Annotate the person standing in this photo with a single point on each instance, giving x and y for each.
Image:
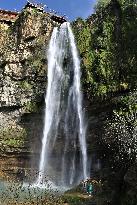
(90, 189)
(84, 183)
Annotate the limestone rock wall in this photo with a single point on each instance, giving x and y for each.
(23, 79)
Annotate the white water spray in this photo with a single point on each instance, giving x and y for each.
(64, 153)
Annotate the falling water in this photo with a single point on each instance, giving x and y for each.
(64, 154)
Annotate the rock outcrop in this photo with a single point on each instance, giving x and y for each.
(23, 79)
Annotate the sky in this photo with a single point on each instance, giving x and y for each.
(71, 8)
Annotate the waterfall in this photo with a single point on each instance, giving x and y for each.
(64, 154)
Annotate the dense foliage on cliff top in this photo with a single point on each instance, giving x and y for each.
(107, 44)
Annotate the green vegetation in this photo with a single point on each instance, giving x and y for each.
(13, 132)
(107, 45)
(25, 85)
(38, 58)
(31, 107)
(13, 142)
(35, 62)
(127, 104)
(12, 137)
(77, 199)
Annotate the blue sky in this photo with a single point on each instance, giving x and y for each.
(72, 8)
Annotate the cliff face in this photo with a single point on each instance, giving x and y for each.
(23, 78)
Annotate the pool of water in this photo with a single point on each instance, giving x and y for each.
(25, 192)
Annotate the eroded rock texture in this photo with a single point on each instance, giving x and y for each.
(23, 79)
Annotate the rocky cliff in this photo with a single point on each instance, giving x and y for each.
(23, 78)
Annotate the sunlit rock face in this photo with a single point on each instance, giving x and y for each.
(23, 71)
